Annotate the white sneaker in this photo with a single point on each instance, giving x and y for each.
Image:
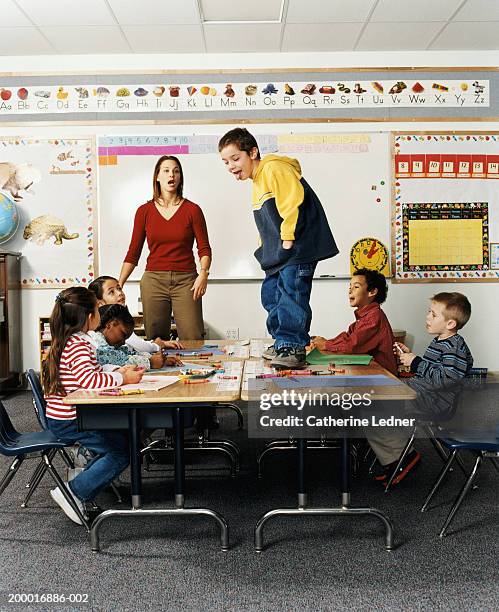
(65, 506)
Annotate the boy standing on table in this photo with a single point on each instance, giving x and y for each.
(294, 234)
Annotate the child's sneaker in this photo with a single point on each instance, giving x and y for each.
(269, 353)
(410, 462)
(382, 473)
(65, 506)
(289, 357)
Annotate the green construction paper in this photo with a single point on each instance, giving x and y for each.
(315, 357)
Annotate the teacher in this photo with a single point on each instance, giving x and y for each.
(170, 223)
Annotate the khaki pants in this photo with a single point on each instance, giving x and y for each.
(164, 292)
(387, 446)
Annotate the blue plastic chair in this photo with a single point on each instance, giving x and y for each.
(20, 445)
(484, 447)
(39, 405)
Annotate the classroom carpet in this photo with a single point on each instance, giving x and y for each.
(312, 563)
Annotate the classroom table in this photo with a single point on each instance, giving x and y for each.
(378, 393)
(95, 411)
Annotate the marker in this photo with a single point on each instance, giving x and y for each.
(117, 392)
(295, 373)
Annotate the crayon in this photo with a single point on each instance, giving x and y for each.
(225, 377)
(195, 381)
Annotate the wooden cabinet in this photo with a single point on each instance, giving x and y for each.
(10, 320)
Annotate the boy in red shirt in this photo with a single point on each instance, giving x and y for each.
(371, 333)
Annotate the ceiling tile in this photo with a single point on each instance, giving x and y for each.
(398, 36)
(12, 16)
(261, 38)
(320, 37)
(256, 10)
(164, 12)
(165, 39)
(324, 11)
(23, 41)
(469, 35)
(479, 10)
(67, 12)
(422, 10)
(86, 39)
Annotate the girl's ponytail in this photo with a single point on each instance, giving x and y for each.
(69, 315)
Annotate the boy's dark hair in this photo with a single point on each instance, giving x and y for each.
(96, 286)
(456, 306)
(69, 315)
(374, 280)
(240, 137)
(115, 312)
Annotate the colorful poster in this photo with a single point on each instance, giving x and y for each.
(444, 224)
(209, 96)
(47, 209)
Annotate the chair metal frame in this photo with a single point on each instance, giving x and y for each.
(22, 445)
(483, 451)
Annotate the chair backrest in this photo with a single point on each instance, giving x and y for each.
(8, 432)
(38, 398)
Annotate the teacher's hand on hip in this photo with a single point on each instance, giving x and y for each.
(199, 286)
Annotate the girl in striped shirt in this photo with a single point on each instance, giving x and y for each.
(72, 365)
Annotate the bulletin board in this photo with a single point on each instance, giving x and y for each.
(445, 206)
(56, 229)
(349, 172)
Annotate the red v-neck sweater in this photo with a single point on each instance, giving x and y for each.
(170, 242)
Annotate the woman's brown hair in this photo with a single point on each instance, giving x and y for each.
(155, 184)
(69, 315)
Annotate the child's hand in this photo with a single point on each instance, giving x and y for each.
(173, 344)
(319, 343)
(399, 348)
(157, 360)
(168, 344)
(287, 244)
(406, 358)
(132, 375)
(173, 361)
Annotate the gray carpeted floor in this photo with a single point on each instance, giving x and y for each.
(323, 563)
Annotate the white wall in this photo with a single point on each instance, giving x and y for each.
(237, 304)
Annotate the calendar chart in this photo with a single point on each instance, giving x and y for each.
(445, 213)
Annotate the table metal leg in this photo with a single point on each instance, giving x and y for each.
(179, 510)
(135, 458)
(303, 510)
(179, 458)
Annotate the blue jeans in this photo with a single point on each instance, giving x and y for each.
(112, 456)
(286, 298)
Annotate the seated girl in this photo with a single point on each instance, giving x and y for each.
(116, 326)
(107, 290)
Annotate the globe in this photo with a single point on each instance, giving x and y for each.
(9, 218)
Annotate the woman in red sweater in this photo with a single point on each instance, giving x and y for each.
(170, 223)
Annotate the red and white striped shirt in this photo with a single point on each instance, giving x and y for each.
(78, 369)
